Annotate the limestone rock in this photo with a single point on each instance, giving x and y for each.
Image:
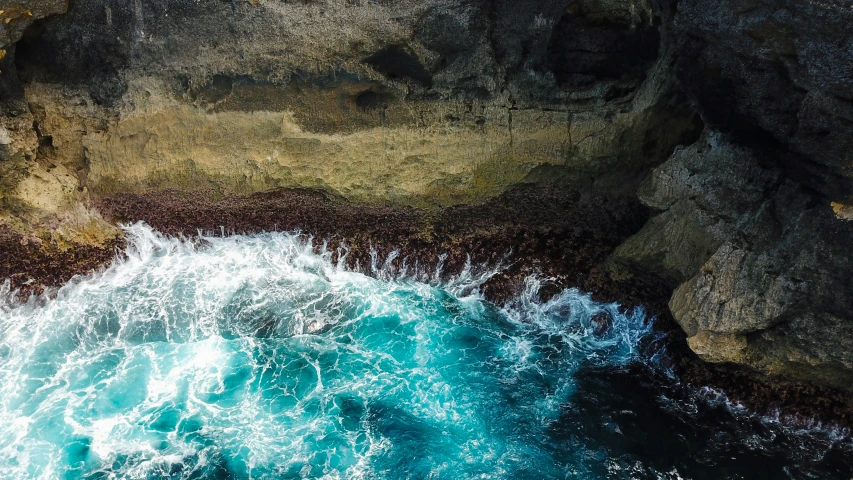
(424, 103)
(762, 268)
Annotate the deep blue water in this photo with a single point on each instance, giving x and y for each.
(254, 357)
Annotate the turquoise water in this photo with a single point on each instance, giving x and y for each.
(254, 357)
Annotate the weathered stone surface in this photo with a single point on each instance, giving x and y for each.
(763, 266)
(424, 103)
(766, 285)
(15, 17)
(778, 76)
(753, 232)
(781, 68)
(707, 191)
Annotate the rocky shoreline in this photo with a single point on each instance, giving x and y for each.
(581, 231)
(32, 267)
(691, 157)
(570, 249)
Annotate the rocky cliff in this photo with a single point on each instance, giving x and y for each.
(754, 225)
(721, 130)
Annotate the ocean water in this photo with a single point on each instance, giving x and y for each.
(255, 357)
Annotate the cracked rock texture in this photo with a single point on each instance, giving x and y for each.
(731, 121)
(754, 229)
(416, 103)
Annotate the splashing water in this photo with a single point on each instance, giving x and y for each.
(254, 357)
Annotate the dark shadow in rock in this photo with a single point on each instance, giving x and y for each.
(52, 50)
(584, 50)
(373, 99)
(219, 87)
(397, 62)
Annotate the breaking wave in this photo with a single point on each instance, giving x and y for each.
(256, 357)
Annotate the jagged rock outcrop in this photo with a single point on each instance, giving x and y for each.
(753, 228)
(778, 76)
(731, 121)
(762, 265)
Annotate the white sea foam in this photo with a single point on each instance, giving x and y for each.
(258, 357)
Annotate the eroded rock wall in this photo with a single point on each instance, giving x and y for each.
(754, 232)
(416, 103)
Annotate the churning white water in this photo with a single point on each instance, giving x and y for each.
(255, 357)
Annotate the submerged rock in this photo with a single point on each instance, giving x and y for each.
(600, 323)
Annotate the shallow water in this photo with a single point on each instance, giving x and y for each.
(254, 357)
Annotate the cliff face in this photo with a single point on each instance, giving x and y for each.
(755, 226)
(412, 102)
(732, 122)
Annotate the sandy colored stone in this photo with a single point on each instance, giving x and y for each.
(842, 211)
(440, 161)
(718, 348)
